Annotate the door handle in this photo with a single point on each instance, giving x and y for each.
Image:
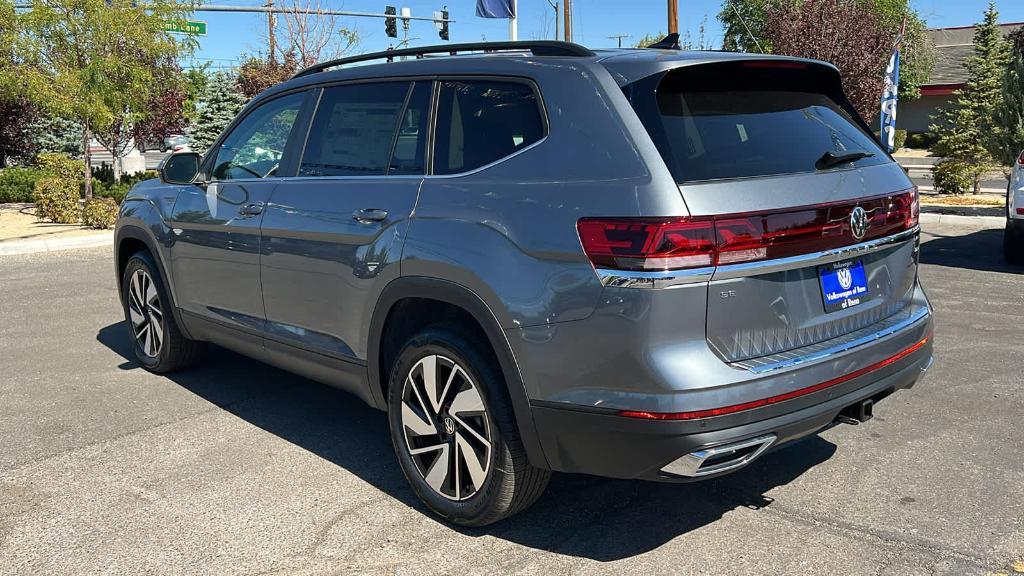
(367, 215)
(251, 209)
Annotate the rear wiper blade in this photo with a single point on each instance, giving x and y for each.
(828, 159)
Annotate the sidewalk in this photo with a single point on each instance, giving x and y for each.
(20, 233)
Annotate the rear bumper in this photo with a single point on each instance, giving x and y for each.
(590, 441)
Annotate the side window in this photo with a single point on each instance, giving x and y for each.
(480, 121)
(255, 147)
(353, 130)
(409, 156)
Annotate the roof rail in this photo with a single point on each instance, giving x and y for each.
(537, 47)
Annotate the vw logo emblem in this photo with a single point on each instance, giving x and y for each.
(859, 222)
(845, 278)
(449, 425)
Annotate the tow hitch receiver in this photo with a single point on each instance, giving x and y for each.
(857, 413)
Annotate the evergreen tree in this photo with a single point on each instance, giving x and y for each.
(1011, 109)
(217, 107)
(970, 133)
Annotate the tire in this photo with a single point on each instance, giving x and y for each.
(1013, 243)
(156, 340)
(469, 409)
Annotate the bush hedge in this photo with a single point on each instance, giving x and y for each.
(100, 213)
(920, 140)
(116, 192)
(57, 200)
(18, 184)
(900, 139)
(60, 165)
(953, 177)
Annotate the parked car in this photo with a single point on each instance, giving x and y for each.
(1013, 236)
(172, 143)
(649, 264)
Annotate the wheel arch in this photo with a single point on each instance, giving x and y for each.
(448, 293)
(128, 240)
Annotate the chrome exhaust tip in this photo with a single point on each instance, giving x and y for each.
(719, 458)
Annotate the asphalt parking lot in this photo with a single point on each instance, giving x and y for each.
(238, 468)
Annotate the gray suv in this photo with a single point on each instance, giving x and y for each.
(535, 257)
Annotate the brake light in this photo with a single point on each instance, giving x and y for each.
(657, 244)
(676, 243)
(775, 64)
(1020, 159)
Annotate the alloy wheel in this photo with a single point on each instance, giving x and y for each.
(446, 427)
(146, 315)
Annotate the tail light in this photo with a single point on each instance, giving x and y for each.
(655, 244)
(677, 243)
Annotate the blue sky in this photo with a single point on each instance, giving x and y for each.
(232, 34)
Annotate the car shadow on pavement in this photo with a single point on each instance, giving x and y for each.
(981, 250)
(583, 516)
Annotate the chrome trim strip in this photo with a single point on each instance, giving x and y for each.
(915, 317)
(745, 269)
(653, 279)
(691, 464)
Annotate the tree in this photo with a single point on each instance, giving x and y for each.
(256, 74)
(820, 29)
(91, 60)
(17, 115)
(1011, 110)
(744, 24)
(311, 38)
(217, 107)
(970, 132)
(53, 134)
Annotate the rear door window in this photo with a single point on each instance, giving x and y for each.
(354, 129)
(482, 121)
(751, 123)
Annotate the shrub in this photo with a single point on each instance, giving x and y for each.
(100, 213)
(901, 139)
(57, 200)
(116, 192)
(17, 184)
(60, 165)
(104, 173)
(920, 140)
(953, 177)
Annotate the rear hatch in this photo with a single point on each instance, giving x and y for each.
(814, 225)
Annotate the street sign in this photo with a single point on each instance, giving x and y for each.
(191, 27)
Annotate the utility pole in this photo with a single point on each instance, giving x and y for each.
(567, 29)
(673, 17)
(270, 28)
(619, 37)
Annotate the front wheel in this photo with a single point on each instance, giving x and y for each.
(157, 341)
(454, 432)
(1013, 242)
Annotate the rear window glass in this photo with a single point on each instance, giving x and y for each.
(481, 121)
(709, 132)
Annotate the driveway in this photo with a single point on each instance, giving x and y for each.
(238, 468)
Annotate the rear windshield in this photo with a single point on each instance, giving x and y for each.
(750, 123)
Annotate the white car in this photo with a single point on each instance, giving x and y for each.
(1013, 238)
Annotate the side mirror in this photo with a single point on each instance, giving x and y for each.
(180, 168)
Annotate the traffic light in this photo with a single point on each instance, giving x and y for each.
(444, 25)
(391, 23)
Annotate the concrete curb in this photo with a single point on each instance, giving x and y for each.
(33, 245)
(958, 220)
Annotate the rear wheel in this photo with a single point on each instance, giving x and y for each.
(454, 433)
(157, 341)
(1013, 242)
